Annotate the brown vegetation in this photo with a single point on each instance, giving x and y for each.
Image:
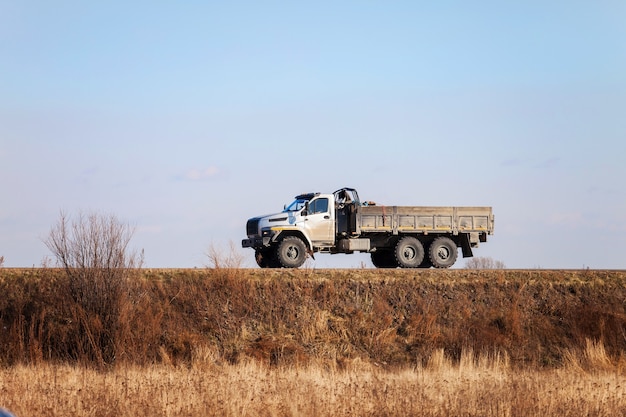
(391, 339)
(392, 318)
(93, 251)
(476, 385)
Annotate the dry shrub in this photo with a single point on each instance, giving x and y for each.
(93, 251)
(220, 258)
(484, 263)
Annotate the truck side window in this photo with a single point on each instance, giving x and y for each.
(318, 206)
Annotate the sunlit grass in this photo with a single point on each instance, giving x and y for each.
(477, 385)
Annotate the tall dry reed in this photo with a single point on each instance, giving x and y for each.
(477, 385)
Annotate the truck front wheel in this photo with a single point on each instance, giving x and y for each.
(409, 252)
(291, 252)
(443, 252)
(266, 259)
(384, 259)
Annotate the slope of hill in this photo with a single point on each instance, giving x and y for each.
(390, 318)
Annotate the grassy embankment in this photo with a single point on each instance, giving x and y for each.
(369, 342)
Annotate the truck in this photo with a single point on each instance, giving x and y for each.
(395, 236)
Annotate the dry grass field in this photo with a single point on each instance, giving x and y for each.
(475, 386)
(311, 342)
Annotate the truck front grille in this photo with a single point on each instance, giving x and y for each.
(252, 227)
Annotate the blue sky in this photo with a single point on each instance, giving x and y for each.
(185, 119)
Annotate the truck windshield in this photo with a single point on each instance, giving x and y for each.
(297, 205)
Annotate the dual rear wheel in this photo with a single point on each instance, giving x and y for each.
(409, 252)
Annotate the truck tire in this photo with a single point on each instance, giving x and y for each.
(426, 263)
(291, 252)
(409, 252)
(384, 259)
(266, 259)
(442, 252)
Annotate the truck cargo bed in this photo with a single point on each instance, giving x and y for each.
(413, 219)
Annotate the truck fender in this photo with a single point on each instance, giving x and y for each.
(282, 232)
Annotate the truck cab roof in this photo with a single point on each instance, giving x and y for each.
(306, 196)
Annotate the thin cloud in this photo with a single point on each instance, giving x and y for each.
(203, 174)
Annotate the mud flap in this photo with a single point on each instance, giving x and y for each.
(466, 246)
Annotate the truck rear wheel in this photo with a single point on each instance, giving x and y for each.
(384, 259)
(443, 252)
(409, 252)
(291, 252)
(426, 263)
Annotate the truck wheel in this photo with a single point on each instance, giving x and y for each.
(426, 263)
(384, 259)
(265, 259)
(409, 252)
(291, 252)
(443, 252)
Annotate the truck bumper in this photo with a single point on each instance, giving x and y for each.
(256, 242)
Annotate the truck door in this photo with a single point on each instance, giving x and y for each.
(319, 222)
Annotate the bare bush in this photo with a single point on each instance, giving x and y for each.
(219, 258)
(1, 261)
(93, 250)
(484, 263)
